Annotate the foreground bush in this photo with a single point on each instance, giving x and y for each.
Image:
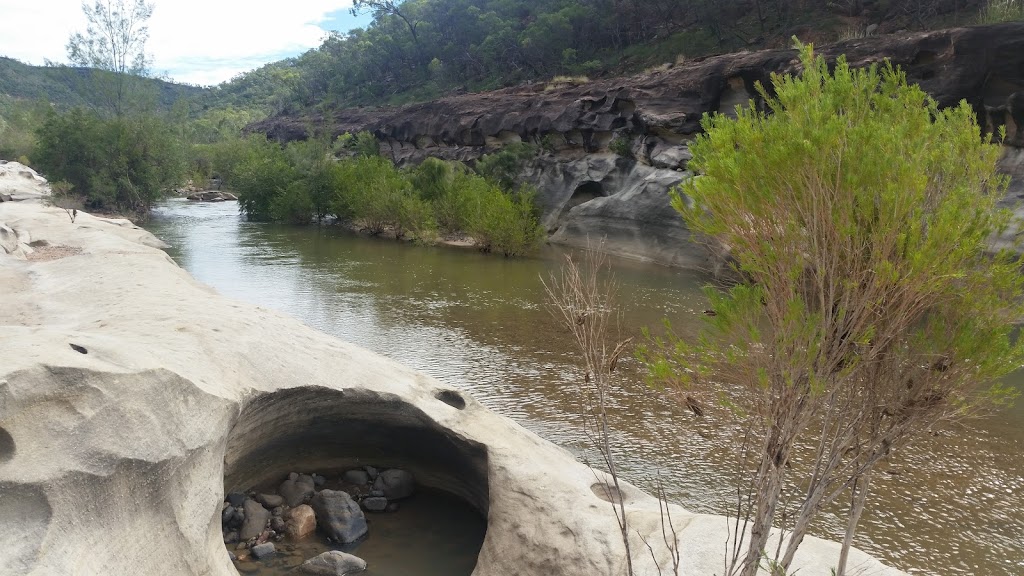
(124, 163)
(871, 309)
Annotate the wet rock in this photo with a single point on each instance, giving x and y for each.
(332, 563)
(236, 498)
(297, 490)
(256, 517)
(301, 522)
(227, 515)
(232, 556)
(376, 493)
(339, 516)
(395, 483)
(375, 504)
(277, 524)
(371, 471)
(392, 507)
(357, 477)
(270, 501)
(278, 512)
(264, 550)
(319, 480)
(231, 537)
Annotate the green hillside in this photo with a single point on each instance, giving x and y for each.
(65, 86)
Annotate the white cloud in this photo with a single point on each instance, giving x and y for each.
(197, 41)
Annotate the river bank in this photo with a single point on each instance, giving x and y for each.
(135, 397)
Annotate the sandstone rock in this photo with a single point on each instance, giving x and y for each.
(297, 490)
(339, 516)
(6, 198)
(395, 484)
(256, 517)
(270, 501)
(265, 550)
(185, 395)
(979, 64)
(8, 239)
(375, 503)
(357, 477)
(331, 563)
(301, 522)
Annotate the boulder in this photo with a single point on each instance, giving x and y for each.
(297, 490)
(357, 477)
(395, 484)
(8, 240)
(301, 522)
(270, 501)
(338, 515)
(256, 517)
(375, 503)
(116, 462)
(261, 551)
(331, 563)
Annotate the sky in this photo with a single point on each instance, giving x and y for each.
(201, 42)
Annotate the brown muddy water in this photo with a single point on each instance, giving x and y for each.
(953, 504)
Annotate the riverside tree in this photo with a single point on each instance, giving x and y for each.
(870, 307)
(114, 41)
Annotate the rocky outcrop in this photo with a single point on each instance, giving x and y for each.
(133, 400)
(654, 115)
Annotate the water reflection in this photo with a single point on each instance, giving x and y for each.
(953, 505)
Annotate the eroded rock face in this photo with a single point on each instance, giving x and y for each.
(659, 113)
(173, 397)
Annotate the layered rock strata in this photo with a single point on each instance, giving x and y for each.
(133, 398)
(589, 192)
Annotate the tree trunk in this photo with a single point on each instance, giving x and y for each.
(857, 501)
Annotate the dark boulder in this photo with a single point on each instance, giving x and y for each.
(338, 515)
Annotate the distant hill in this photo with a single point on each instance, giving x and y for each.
(68, 86)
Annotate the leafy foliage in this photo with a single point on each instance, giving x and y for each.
(122, 164)
(502, 167)
(858, 214)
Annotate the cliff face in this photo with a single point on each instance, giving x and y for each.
(588, 191)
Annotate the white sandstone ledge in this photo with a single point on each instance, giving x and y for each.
(114, 461)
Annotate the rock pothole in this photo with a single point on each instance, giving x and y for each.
(451, 398)
(7, 446)
(316, 477)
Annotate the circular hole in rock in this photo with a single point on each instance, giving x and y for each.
(310, 445)
(7, 447)
(79, 349)
(606, 492)
(451, 398)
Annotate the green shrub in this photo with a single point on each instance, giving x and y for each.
(996, 11)
(123, 163)
(294, 205)
(260, 179)
(622, 146)
(503, 167)
(505, 223)
(359, 144)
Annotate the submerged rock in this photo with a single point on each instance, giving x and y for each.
(332, 563)
(297, 490)
(338, 515)
(301, 522)
(256, 517)
(395, 484)
(357, 477)
(261, 551)
(375, 504)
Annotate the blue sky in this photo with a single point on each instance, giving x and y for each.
(195, 41)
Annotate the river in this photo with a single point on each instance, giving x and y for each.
(953, 504)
